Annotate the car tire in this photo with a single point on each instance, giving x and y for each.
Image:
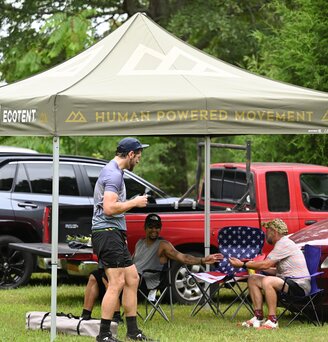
(16, 266)
(184, 289)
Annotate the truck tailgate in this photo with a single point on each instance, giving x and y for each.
(44, 249)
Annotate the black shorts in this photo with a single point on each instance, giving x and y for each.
(111, 248)
(99, 275)
(294, 289)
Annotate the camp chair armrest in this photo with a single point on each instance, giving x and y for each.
(307, 276)
(316, 274)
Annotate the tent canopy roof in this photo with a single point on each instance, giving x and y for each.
(141, 80)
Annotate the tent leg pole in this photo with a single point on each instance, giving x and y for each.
(207, 210)
(54, 236)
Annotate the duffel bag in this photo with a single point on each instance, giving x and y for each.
(66, 323)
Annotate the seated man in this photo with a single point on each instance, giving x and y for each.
(285, 260)
(152, 252)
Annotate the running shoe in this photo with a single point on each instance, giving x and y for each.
(268, 325)
(139, 336)
(253, 323)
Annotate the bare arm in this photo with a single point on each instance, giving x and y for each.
(113, 207)
(167, 249)
(255, 265)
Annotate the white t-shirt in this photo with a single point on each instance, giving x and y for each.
(291, 262)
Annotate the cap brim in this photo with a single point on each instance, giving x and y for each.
(144, 145)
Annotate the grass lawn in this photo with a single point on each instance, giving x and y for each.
(204, 327)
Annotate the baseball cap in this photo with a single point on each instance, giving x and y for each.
(130, 144)
(153, 220)
(278, 225)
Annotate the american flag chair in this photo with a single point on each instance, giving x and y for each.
(242, 242)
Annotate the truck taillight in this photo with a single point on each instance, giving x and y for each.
(45, 224)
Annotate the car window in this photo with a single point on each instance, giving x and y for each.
(7, 173)
(93, 173)
(22, 182)
(37, 177)
(133, 187)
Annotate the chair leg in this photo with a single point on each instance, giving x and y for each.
(170, 295)
(206, 299)
(156, 307)
(299, 313)
(241, 295)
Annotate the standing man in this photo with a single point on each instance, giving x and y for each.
(109, 239)
(285, 260)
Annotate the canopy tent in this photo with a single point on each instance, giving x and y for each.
(140, 80)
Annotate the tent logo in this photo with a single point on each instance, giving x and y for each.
(175, 62)
(43, 117)
(18, 115)
(325, 116)
(76, 117)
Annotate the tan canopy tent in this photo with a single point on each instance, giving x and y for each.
(140, 80)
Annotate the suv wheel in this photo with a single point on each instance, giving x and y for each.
(15, 266)
(184, 289)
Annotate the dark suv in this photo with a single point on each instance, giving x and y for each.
(25, 193)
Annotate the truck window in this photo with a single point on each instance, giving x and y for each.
(277, 191)
(315, 191)
(227, 185)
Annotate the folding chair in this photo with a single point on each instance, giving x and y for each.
(304, 307)
(241, 242)
(155, 296)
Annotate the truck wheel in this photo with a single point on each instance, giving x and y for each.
(16, 267)
(184, 289)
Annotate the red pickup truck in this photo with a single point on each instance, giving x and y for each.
(296, 193)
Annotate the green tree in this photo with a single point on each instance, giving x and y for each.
(296, 148)
(41, 34)
(294, 48)
(223, 28)
(284, 40)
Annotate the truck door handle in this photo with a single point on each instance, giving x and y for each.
(27, 204)
(309, 222)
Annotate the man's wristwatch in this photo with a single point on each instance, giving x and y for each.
(244, 264)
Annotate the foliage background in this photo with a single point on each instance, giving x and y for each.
(286, 40)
